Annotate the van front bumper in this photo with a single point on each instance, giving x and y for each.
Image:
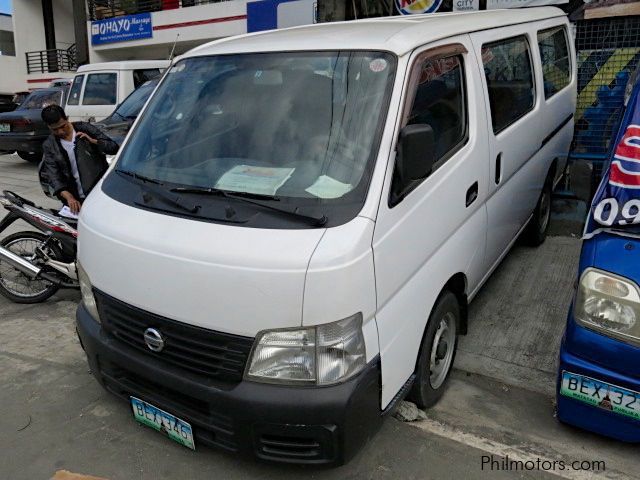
(310, 425)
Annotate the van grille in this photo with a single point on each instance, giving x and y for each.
(198, 350)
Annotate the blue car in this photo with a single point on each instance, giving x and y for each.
(598, 386)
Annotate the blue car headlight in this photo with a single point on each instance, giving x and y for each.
(609, 304)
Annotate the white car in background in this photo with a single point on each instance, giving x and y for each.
(98, 88)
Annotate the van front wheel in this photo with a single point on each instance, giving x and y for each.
(437, 352)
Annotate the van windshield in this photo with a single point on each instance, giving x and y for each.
(299, 127)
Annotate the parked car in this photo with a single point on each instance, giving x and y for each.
(7, 104)
(118, 124)
(22, 130)
(300, 218)
(61, 83)
(20, 97)
(599, 371)
(99, 87)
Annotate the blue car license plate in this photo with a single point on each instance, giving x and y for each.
(176, 429)
(600, 394)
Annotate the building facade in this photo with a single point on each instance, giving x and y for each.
(51, 38)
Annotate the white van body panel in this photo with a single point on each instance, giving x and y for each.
(513, 198)
(428, 237)
(341, 280)
(525, 162)
(232, 279)
(124, 86)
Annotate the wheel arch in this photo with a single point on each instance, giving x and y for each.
(457, 285)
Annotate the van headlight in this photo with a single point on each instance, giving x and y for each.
(320, 355)
(88, 299)
(609, 304)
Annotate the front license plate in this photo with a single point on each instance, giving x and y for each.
(174, 428)
(600, 394)
(5, 127)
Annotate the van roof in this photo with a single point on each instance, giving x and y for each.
(124, 65)
(398, 34)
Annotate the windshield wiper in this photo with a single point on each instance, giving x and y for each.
(137, 176)
(159, 193)
(249, 197)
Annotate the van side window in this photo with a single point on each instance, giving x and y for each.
(439, 102)
(144, 75)
(554, 52)
(100, 89)
(76, 88)
(507, 67)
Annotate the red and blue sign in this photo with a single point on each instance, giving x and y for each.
(616, 205)
(412, 7)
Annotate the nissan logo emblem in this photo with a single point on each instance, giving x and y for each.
(153, 339)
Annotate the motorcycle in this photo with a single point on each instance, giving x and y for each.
(35, 264)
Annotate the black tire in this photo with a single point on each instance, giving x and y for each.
(536, 231)
(424, 393)
(31, 157)
(7, 289)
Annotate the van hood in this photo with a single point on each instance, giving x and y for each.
(232, 279)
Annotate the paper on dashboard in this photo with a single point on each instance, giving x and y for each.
(260, 180)
(327, 187)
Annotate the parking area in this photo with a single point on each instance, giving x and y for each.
(499, 403)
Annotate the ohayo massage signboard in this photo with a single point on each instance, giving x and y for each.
(121, 29)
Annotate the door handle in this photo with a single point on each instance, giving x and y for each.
(498, 176)
(472, 193)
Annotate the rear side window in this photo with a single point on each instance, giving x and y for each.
(554, 52)
(101, 89)
(144, 75)
(507, 67)
(76, 89)
(439, 102)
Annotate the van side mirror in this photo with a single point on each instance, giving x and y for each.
(415, 158)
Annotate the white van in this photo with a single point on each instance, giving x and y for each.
(287, 243)
(98, 88)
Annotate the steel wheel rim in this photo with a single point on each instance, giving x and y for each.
(17, 282)
(545, 210)
(442, 350)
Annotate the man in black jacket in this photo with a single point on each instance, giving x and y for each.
(74, 156)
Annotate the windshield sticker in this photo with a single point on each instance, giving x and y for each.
(378, 65)
(327, 187)
(616, 204)
(259, 180)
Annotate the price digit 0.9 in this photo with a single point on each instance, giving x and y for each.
(627, 209)
(611, 214)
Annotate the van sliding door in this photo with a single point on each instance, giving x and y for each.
(511, 93)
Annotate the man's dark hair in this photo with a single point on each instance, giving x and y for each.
(52, 114)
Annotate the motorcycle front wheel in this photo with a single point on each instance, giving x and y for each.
(14, 284)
